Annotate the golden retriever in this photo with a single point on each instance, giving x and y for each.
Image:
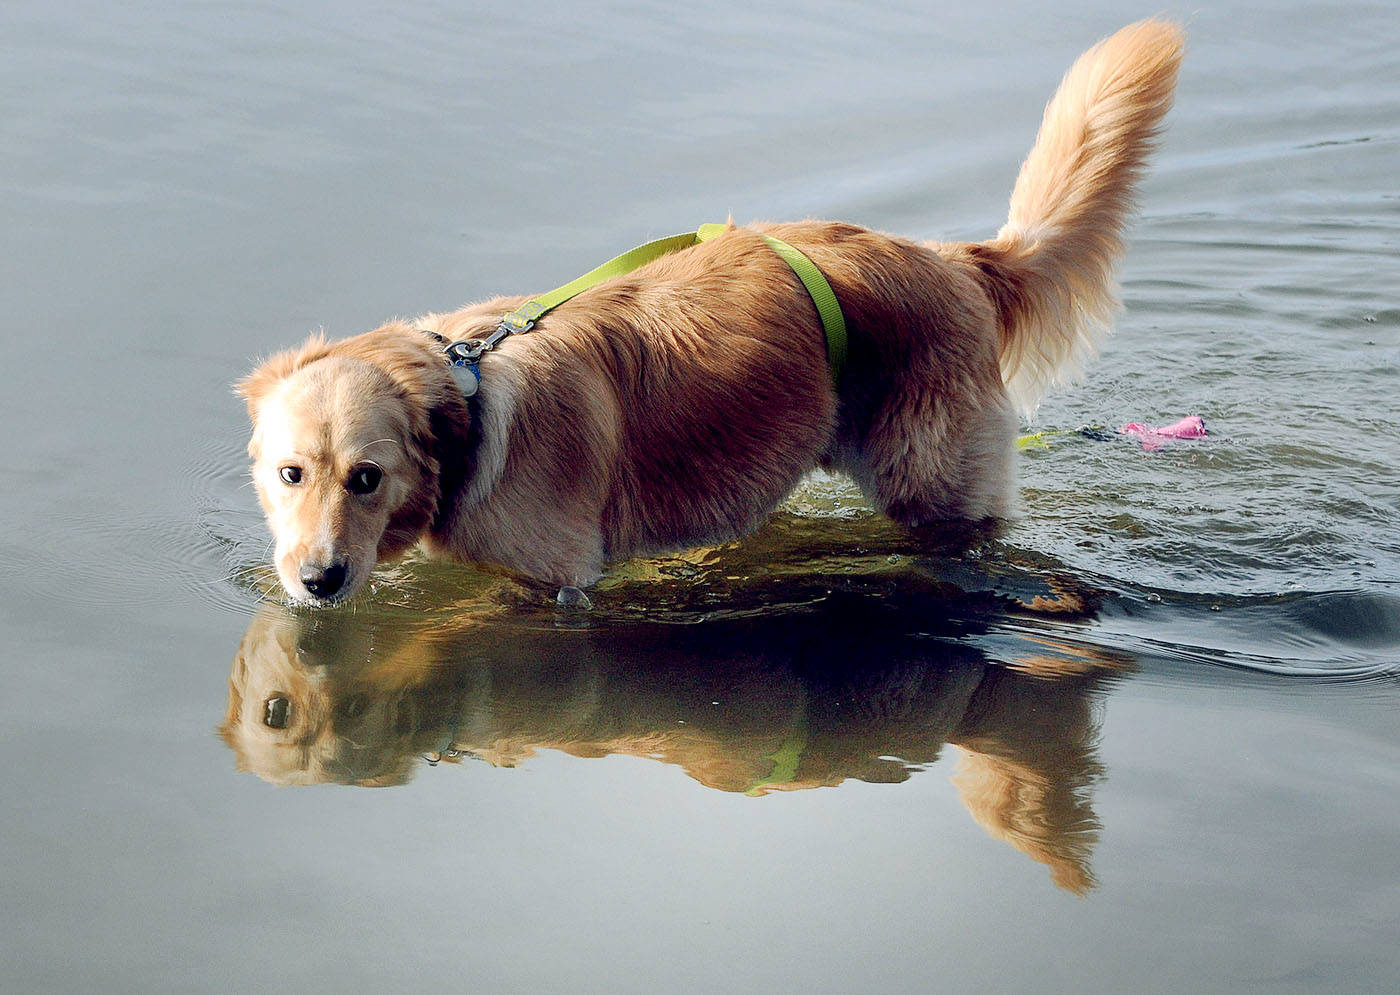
(677, 405)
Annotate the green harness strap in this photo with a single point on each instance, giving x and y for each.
(785, 761)
(465, 355)
(528, 313)
(523, 318)
(828, 307)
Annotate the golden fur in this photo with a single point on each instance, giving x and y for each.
(677, 405)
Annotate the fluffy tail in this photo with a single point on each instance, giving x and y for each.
(1050, 268)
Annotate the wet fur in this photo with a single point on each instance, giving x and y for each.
(677, 405)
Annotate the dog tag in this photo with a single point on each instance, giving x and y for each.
(468, 378)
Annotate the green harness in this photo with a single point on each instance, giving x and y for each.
(466, 355)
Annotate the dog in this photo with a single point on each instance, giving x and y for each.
(677, 405)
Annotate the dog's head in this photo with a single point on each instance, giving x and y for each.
(343, 459)
(306, 707)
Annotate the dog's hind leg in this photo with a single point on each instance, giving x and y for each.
(927, 461)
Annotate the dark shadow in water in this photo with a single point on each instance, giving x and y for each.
(855, 686)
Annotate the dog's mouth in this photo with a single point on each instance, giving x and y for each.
(310, 601)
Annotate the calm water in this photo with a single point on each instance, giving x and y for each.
(1143, 739)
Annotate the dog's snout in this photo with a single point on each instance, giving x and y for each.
(322, 582)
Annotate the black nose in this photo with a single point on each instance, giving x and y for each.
(322, 582)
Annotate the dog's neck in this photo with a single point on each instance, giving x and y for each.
(457, 441)
(470, 431)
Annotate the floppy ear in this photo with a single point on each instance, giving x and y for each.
(237, 680)
(410, 519)
(257, 385)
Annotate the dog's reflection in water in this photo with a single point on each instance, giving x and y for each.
(750, 705)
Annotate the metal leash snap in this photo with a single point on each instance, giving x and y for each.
(466, 352)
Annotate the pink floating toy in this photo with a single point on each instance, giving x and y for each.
(1190, 427)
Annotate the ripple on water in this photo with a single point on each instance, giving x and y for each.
(209, 543)
(1139, 563)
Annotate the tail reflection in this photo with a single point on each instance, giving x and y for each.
(748, 704)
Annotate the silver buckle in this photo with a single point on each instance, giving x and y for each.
(467, 351)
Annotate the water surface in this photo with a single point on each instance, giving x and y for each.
(1143, 738)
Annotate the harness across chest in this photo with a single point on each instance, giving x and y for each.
(464, 356)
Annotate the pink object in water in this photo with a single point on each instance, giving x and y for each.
(1190, 427)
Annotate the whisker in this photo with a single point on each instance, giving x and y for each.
(377, 442)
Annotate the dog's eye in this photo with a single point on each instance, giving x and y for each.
(364, 480)
(290, 474)
(276, 711)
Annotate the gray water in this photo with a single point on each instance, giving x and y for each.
(1143, 739)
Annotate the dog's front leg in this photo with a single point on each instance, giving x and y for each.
(572, 597)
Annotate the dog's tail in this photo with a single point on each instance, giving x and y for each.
(1050, 268)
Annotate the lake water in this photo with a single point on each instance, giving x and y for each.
(1143, 739)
